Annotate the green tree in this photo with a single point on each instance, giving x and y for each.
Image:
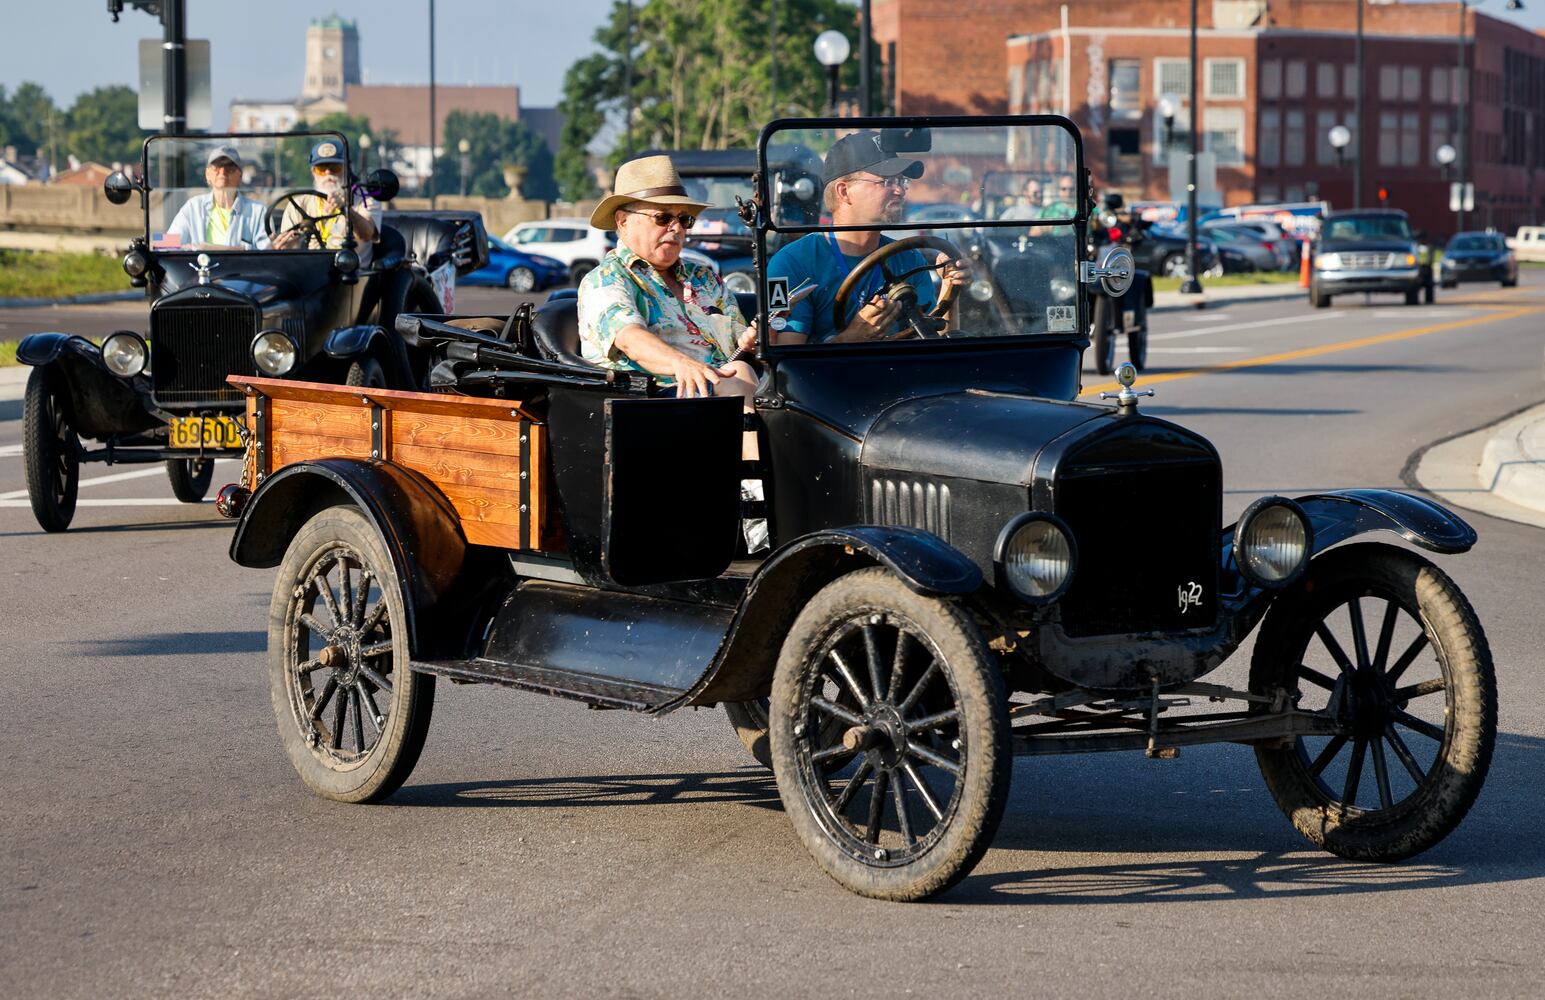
(703, 74)
(30, 116)
(295, 154)
(493, 143)
(103, 125)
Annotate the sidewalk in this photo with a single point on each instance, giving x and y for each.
(1497, 470)
(1226, 294)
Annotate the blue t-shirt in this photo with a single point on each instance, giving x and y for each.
(815, 257)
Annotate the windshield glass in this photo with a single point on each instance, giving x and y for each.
(216, 192)
(953, 231)
(1368, 227)
(1474, 243)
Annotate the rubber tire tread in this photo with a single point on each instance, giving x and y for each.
(984, 708)
(1104, 336)
(398, 749)
(749, 720)
(186, 485)
(38, 444)
(1431, 813)
(366, 373)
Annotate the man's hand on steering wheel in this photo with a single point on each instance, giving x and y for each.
(307, 226)
(926, 325)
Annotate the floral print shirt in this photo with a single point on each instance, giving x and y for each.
(625, 290)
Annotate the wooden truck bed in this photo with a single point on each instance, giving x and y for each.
(488, 456)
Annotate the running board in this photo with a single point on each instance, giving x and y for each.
(600, 692)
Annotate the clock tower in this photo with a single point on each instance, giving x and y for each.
(332, 59)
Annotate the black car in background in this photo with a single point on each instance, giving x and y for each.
(1369, 250)
(1163, 252)
(1477, 257)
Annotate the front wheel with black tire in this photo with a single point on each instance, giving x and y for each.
(190, 478)
(1173, 265)
(52, 450)
(1383, 642)
(1429, 293)
(749, 720)
(1104, 335)
(1317, 298)
(366, 373)
(890, 737)
(520, 279)
(352, 714)
(1414, 296)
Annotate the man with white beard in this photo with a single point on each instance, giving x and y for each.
(328, 232)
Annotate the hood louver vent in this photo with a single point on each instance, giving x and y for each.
(911, 504)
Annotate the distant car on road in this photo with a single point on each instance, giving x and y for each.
(572, 240)
(1528, 243)
(517, 270)
(1163, 252)
(1370, 250)
(1477, 257)
(1280, 251)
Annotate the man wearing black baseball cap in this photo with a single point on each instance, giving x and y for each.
(865, 185)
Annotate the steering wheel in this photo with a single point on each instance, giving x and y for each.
(896, 286)
(309, 222)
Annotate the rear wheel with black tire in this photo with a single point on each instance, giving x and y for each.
(1173, 265)
(520, 279)
(1317, 298)
(1414, 296)
(1384, 642)
(890, 737)
(352, 714)
(580, 268)
(749, 719)
(52, 449)
(190, 478)
(366, 373)
(1429, 293)
(1104, 335)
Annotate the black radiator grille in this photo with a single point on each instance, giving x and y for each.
(1147, 547)
(193, 349)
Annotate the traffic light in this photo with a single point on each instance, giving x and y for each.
(1383, 195)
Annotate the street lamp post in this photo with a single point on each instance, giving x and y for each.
(1357, 115)
(1463, 157)
(465, 149)
(364, 152)
(1192, 285)
(1445, 154)
(1169, 104)
(1340, 137)
(831, 50)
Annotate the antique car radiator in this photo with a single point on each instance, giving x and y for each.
(195, 347)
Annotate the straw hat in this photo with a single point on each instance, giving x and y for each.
(648, 178)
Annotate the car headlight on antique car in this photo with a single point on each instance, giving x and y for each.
(1272, 542)
(1327, 261)
(124, 353)
(135, 264)
(1035, 556)
(274, 352)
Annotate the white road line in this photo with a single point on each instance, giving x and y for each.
(117, 477)
(11, 450)
(1316, 318)
(114, 502)
(1210, 317)
(1197, 350)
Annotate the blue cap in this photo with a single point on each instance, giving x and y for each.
(326, 151)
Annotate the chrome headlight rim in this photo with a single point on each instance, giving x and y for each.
(1000, 551)
(1242, 540)
(138, 347)
(260, 340)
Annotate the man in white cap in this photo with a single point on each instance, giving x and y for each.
(646, 309)
(223, 219)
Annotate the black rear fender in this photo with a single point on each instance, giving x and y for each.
(101, 403)
(790, 577)
(416, 523)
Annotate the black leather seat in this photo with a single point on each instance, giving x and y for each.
(555, 329)
(390, 249)
(429, 241)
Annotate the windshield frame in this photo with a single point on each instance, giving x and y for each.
(765, 227)
(205, 139)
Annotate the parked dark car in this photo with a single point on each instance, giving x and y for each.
(1477, 257)
(319, 315)
(1163, 252)
(1369, 250)
(517, 270)
(1267, 246)
(967, 563)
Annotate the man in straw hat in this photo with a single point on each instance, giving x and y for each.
(644, 308)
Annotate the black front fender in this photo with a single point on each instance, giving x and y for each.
(416, 523)
(784, 583)
(348, 343)
(101, 403)
(1341, 514)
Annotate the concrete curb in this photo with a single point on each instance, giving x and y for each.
(1497, 470)
(1175, 302)
(71, 300)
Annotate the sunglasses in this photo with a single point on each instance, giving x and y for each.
(898, 183)
(664, 219)
(327, 168)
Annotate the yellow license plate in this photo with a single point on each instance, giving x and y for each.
(204, 432)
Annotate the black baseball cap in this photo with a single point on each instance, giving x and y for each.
(864, 151)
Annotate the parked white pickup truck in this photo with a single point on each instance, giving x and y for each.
(1529, 243)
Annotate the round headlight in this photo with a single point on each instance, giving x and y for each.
(1273, 542)
(124, 354)
(346, 261)
(273, 352)
(1036, 556)
(135, 264)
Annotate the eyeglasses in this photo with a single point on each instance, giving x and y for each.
(664, 219)
(1065, 188)
(898, 183)
(327, 168)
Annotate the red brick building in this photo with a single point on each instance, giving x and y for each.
(1274, 75)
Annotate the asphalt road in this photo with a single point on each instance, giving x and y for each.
(157, 843)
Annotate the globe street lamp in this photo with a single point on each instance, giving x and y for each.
(1169, 105)
(1340, 137)
(364, 152)
(464, 148)
(1445, 154)
(831, 51)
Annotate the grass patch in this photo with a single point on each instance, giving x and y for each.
(1163, 284)
(27, 274)
(7, 353)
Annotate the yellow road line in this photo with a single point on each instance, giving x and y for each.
(1311, 352)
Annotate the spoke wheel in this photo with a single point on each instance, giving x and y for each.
(1137, 336)
(190, 478)
(52, 450)
(1104, 336)
(901, 796)
(1384, 642)
(351, 713)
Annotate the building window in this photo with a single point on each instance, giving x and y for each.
(1389, 83)
(1349, 84)
(1271, 79)
(1268, 194)
(1225, 78)
(1324, 152)
(1171, 76)
(1325, 80)
(1225, 135)
(1440, 84)
(1411, 83)
(1126, 99)
(1173, 136)
(1389, 139)
(1270, 151)
(1410, 139)
(1296, 78)
(1293, 139)
(1294, 193)
(1437, 133)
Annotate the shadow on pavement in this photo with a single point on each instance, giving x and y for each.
(93, 529)
(752, 786)
(1252, 411)
(175, 643)
(11, 409)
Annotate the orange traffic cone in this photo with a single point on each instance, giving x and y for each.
(1303, 263)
